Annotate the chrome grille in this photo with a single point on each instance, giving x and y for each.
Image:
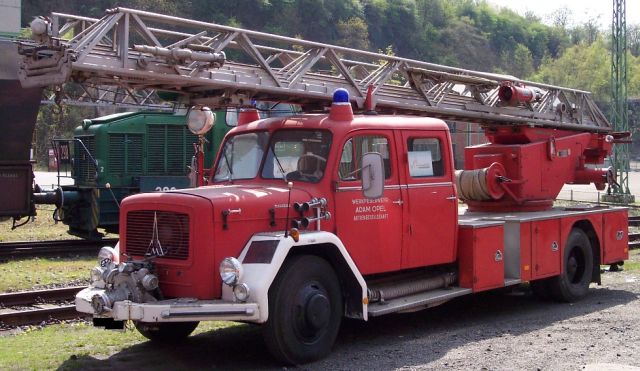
(172, 233)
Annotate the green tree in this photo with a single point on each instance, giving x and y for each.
(353, 33)
(469, 48)
(57, 122)
(521, 62)
(633, 37)
(585, 67)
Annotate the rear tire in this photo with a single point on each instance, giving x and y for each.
(577, 269)
(305, 310)
(168, 332)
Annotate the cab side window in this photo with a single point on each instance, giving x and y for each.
(425, 157)
(355, 148)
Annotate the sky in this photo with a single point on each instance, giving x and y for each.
(581, 10)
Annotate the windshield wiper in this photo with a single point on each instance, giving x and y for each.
(273, 151)
(226, 159)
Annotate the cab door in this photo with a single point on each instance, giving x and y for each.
(431, 207)
(371, 230)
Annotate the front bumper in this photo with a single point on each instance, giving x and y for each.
(172, 310)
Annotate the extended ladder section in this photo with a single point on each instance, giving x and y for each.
(216, 65)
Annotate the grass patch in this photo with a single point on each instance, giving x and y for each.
(78, 346)
(633, 264)
(42, 228)
(64, 342)
(33, 273)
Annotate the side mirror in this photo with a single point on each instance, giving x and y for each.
(372, 175)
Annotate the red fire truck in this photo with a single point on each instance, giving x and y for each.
(316, 217)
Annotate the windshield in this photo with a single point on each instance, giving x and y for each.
(291, 155)
(297, 155)
(241, 156)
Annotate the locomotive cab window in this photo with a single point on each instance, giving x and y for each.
(353, 151)
(425, 157)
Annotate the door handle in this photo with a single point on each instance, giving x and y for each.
(452, 198)
(398, 202)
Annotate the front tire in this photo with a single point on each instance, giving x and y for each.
(577, 263)
(305, 310)
(168, 332)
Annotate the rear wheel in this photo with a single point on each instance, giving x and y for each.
(305, 310)
(573, 283)
(166, 332)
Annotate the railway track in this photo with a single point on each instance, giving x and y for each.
(598, 203)
(634, 237)
(34, 307)
(53, 247)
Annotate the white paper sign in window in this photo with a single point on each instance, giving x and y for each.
(420, 164)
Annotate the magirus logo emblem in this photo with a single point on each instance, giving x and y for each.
(155, 246)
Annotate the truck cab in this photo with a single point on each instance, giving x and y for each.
(412, 225)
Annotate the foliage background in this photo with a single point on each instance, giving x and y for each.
(470, 34)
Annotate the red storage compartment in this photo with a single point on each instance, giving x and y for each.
(545, 245)
(616, 237)
(481, 255)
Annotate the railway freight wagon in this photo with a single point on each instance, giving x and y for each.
(114, 156)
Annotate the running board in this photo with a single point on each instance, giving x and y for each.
(423, 299)
(512, 281)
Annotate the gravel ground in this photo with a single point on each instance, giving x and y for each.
(492, 331)
(505, 332)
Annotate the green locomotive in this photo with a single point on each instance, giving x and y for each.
(114, 156)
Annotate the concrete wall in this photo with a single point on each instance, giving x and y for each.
(10, 16)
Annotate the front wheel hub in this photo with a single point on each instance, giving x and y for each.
(317, 310)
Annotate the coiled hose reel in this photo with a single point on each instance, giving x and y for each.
(482, 184)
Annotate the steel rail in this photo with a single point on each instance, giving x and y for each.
(52, 247)
(32, 297)
(35, 316)
(40, 306)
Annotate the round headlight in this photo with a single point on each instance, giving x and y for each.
(106, 256)
(230, 271)
(200, 120)
(241, 291)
